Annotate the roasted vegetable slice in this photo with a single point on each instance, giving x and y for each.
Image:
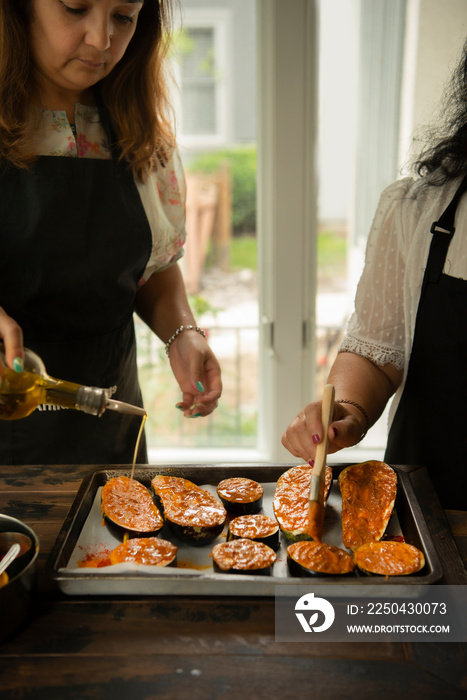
(243, 557)
(318, 559)
(257, 527)
(193, 514)
(389, 558)
(162, 483)
(128, 506)
(368, 495)
(150, 551)
(240, 496)
(291, 501)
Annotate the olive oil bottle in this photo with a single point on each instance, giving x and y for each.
(22, 392)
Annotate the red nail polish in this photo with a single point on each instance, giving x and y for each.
(315, 438)
(311, 462)
(336, 432)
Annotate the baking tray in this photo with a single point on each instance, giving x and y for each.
(83, 536)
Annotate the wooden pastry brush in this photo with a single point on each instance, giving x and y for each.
(316, 497)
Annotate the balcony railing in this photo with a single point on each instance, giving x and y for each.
(234, 423)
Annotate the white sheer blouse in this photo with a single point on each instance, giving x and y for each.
(382, 325)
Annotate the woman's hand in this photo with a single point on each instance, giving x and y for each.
(355, 379)
(197, 371)
(12, 336)
(306, 430)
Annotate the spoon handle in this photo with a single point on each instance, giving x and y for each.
(9, 557)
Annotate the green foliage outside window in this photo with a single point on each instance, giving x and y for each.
(242, 166)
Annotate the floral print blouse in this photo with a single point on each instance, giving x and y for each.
(163, 195)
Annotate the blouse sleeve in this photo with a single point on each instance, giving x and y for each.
(376, 330)
(163, 197)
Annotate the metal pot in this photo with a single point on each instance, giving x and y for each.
(17, 596)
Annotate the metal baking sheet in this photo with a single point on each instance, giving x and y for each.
(84, 536)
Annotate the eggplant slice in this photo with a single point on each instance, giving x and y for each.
(240, 496)
(256, 527)
(128, 507)
(148, 551)
(243, 557)
(389, 558)
(291, 501)
(318, 559)
(368, 495)
(193, 514)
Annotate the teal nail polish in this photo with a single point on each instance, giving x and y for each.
(194, 415)
(180, 408)
(18, 364)
(200, 386)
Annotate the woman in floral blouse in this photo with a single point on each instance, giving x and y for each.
(91, 218)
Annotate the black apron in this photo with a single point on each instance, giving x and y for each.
(430, 424)
(74, 241)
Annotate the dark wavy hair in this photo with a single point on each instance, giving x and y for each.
(135, 92)
(444, 156)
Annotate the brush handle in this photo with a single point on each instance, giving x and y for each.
(327, 409)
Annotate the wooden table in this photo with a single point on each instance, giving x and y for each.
(74, 648)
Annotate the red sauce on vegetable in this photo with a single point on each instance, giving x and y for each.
(240, 490)
(368, 495)
(389, 558)
(320, 557)
(129, 504)
(253, 526)
(145, 550)
(186, 504)
(291, 498)
(171, 483)
(243, 555)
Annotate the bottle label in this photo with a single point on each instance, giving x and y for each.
(51, 407)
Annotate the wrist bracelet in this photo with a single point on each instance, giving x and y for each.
(362, 411)
(177, 333)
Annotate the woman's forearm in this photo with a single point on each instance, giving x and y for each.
(357, 379)
(162, 303)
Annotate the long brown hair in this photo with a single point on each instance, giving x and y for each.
(135, 92)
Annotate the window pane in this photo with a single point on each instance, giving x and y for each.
(199, 109)
(219, 265)
(198, 82)
(199, 58)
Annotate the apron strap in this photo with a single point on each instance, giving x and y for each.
(443, 231)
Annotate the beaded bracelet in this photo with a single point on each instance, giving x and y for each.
(362, 411)
(177, 333)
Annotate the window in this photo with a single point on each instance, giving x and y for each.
(372, 59)
(215, 66)
(203, 70)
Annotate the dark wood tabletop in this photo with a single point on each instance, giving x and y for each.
(142, 648)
